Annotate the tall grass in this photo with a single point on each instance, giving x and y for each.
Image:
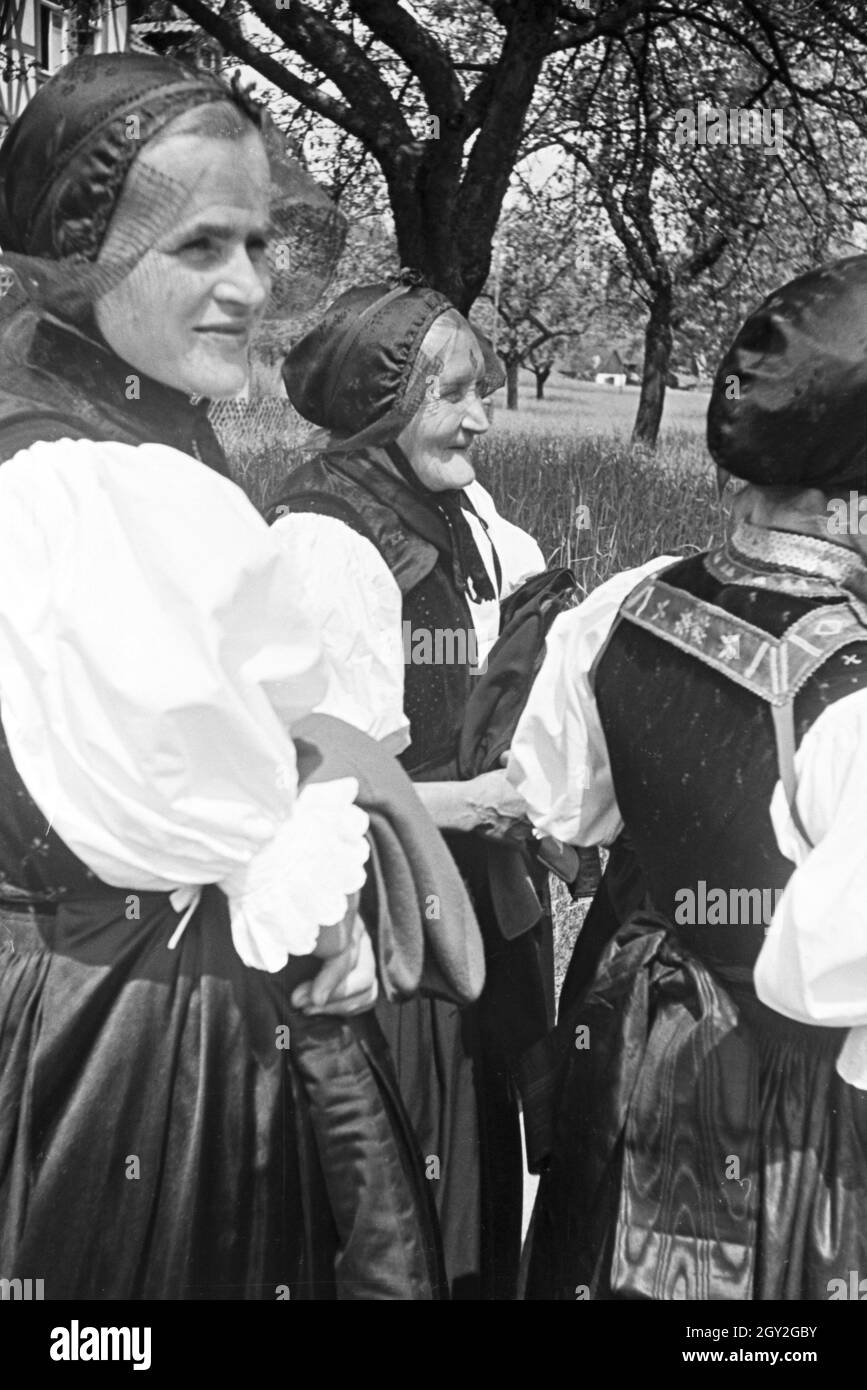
(262, 449)
(600, 505)
(637, 503)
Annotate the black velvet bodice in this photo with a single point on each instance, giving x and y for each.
(694, 759)
(437, 626)
(435, 696)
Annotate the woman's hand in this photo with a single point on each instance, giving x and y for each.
(487, 804)
(347, 982)
(501, 812)
(334, 939)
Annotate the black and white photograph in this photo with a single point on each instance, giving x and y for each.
(433, 669)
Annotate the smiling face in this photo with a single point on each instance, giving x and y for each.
(437, 439)
(186, 312)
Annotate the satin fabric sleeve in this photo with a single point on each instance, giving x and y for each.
(559, 759)
(152, 658)
(350, 595)
(813, 964)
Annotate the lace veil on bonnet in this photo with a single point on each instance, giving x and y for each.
(64, 162)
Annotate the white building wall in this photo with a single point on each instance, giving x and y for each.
(40, 39)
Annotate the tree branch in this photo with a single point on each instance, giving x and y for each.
(326, 47)
(610, 24)
(228, 35)
(419, 50)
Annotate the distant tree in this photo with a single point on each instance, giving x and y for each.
(541, 363)
(540, 292)
(370, 257)
(713, 224)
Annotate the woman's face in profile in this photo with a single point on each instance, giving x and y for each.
(186, 312)
(437, 440)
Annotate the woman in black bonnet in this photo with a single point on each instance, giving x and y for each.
(406, 563)
(181, 959)
(710, 1109)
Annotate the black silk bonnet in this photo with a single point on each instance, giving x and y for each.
(789, 401)
(360, 373)
(64, 163)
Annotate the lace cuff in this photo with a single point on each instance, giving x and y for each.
(302, 879)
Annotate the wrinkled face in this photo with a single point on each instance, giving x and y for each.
(438, 437)
(186, 312)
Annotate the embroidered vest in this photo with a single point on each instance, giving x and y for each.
(710, 669)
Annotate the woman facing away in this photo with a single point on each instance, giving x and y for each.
(404, 560)
(181, 958)
(710, 1112)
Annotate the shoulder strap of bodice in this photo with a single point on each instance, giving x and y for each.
(772, 668)
(16, 435)
(328, 491)
(327, 504)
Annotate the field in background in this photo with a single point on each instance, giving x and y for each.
(598, 505)
(582, 407)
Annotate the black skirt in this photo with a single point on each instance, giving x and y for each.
(704, 1146)
(456, 1067)
(171, 1129)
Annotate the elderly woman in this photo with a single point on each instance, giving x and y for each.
(174, 870)
(710, 1110)
(404, 560)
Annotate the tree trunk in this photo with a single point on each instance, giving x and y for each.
(541, 374)
(511, 383)
(658, 343)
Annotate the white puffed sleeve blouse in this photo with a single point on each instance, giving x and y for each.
(348, 589)
(153, 655)
(813, 964)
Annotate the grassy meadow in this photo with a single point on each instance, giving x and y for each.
(598, 505)
(582, 407)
